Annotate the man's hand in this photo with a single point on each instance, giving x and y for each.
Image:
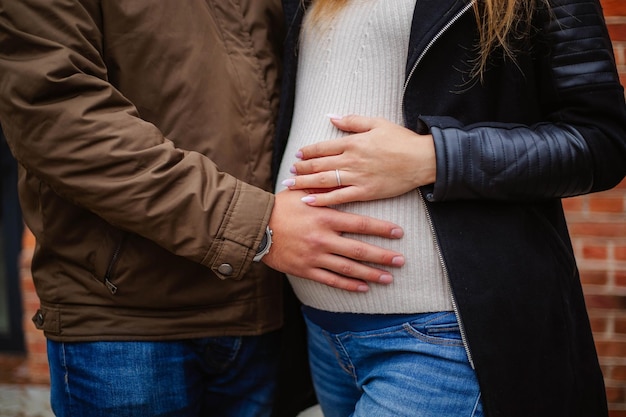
(308, 243)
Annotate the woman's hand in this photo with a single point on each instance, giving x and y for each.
(380, 159)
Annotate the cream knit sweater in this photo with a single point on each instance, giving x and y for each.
(355, 63)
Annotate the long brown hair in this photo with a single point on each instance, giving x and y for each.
(498, 21)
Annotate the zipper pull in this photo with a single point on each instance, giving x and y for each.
(110, 286)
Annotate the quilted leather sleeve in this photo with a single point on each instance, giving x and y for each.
(579, 146)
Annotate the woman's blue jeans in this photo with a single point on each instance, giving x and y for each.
(414, 369)
(221, 376)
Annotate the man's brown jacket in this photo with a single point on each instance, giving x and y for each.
(143, 130)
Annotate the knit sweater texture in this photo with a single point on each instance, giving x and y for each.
(354, 63)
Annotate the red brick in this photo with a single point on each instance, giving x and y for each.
(37, 345)
(593, 277)
(620, 278)
(618, 373)
(574, 204)
(620, 57)
(39, 373)
(601, 204)
(595, 252)
(599, 325)
(614, 7)
(620, 253)
(620, 325)
(598, 229)
(28, 239)
(617, 31)
(611, 348)
(605, 301)
(621, 185)
(28, 285)
(615, 394)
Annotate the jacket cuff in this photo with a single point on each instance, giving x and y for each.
(240, 234)
(433, 125)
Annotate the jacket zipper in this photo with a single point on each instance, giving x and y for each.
(431, 43)
(109, 272)
(445, 273)
(430, 222)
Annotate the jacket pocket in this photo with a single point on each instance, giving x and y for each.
(109, 274)
(106, 256)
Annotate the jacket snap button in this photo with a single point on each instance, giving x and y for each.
(38, 319)
(225, 269)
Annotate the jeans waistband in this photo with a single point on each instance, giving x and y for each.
(356, 322)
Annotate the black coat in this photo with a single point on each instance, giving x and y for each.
(548, 125)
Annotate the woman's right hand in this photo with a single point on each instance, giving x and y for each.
(378, 160)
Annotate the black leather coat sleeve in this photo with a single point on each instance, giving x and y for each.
(578, 146)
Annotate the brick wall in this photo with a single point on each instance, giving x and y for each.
(36, 360)
(598, 228)
(597, 224)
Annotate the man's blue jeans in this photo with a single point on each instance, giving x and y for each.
(414, 369)
(221, 376)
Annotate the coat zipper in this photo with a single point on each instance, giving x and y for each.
(109, 272)
(447, 276)
(430, 44)
(430, 222)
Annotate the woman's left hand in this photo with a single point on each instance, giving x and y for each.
(379, 159)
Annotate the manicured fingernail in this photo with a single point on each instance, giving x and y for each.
(289, 182)
(397, 261)
(308, 199)
(362, 288)
(299, 154)
(292, 170)
(385, 279)
(334, 116)
(397, 233)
